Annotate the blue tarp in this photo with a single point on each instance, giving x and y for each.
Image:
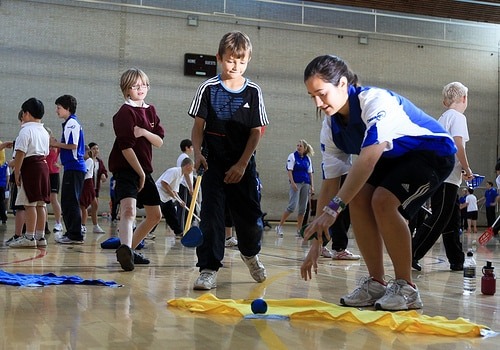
(26, 280)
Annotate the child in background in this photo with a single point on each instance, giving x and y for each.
(472, 211)
(32, 174)
(113, 203)
(88, 190)
(4, 182)
(168, 187)
(72, 150)
(137, 128)
(55, 183)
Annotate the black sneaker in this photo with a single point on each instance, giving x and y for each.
(140, 259)
(416, 265)
(125, 257)
(456, 267)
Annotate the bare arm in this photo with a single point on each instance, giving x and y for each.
(290, 178)
(197, 140)
(355, 180)
(187, 177)
(462, 157)
(6, 144)
(131, 158)
(55, 143)
(18, 162)
(154, 139)
(166, 186)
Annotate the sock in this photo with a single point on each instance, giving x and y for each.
(39, 234)
(29, 235)
(381, 282)
(411, 284)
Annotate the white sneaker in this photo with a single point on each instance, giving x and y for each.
(41, 242)
(84, 229)
(366, 293)
(257, 270)
(67, 240)
(206, 281)
(399, 295)
(11, 239)
(326, 253)
(344, 255)
(57, 227)
(231, 242)
(279, 231)
(23, 242)
(98, 229)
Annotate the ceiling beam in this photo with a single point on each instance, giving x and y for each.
(487, 11)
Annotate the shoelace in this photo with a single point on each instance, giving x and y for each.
(205, 276)
(393, 287)
(362, 286)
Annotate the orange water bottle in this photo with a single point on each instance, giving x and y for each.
(488, 281)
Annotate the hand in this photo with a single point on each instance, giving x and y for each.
(320, 226)
(311, 261)
(467, 174)
(17, 176)
(138, 131)
(200, 161)
(234, 174)
(53, 142)
(294, 187)
(6, 144)
(142, 180)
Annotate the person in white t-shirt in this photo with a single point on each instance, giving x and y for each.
(168, 188)
(472, 210)
(445, 217)
(186, 185)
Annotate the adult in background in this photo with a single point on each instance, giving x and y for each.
(300, 176)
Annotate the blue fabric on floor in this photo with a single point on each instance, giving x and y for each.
(25, 280)
(114, 243)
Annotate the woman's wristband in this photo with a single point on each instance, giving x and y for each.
(335, 206)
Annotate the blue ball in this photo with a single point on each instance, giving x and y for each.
(259, 306)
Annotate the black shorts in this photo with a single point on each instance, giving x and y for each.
(412, 178)
(127, 183)
(55, 183)
(472, 215)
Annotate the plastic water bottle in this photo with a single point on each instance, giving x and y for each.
(469, 274)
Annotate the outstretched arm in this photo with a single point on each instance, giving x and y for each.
(357, 177)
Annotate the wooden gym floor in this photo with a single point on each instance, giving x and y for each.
(136, 316)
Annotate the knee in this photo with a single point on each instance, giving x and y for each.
(127, 212)
(384, 201)
(154, 216)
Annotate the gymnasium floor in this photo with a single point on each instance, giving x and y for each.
(136, 316)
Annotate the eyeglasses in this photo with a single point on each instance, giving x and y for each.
(137, 87)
